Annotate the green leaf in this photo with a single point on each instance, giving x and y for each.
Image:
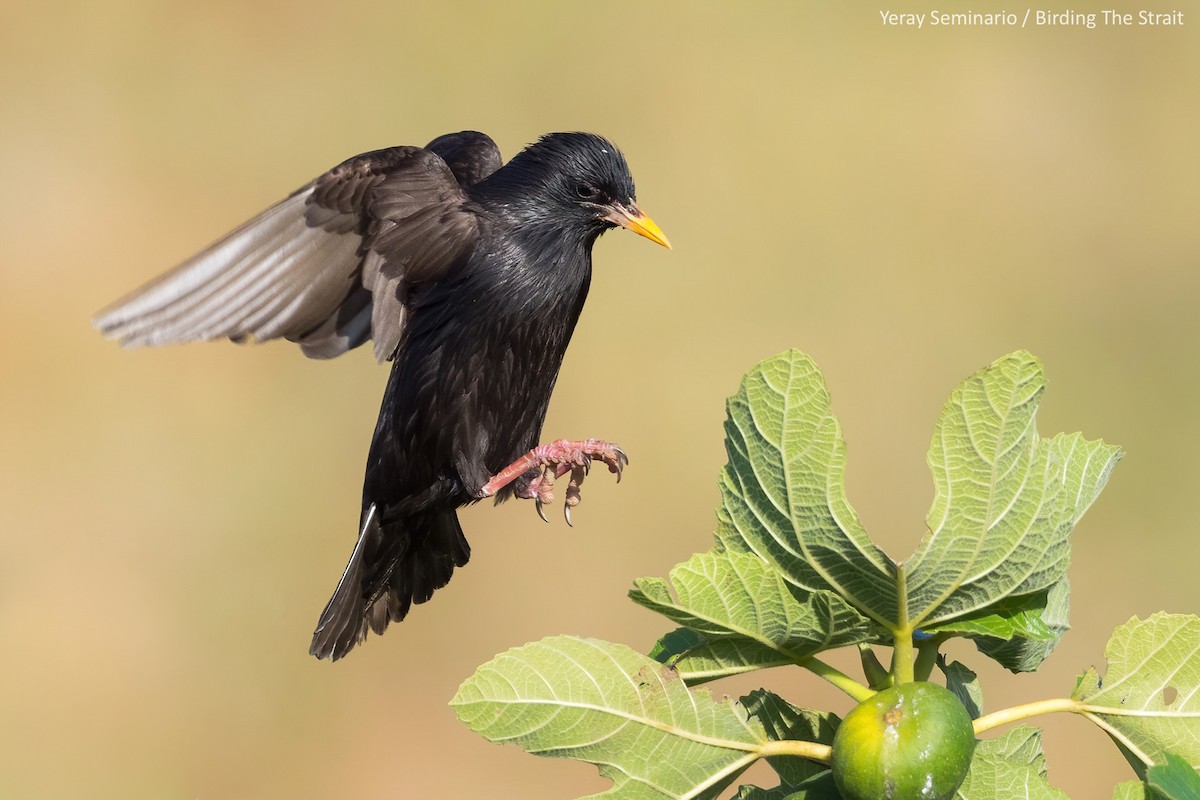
(964, 684)
(1009, 618)
(783, 489)
(818, 787)
(606, 704)
(729, 594)
(1134, 790)
(1002, 769)
(782, 720)
(756, 793)
(1005, 500)
(1149, 699)
(1174, 780)
(697, 660)
(1023, 652)
(1021, 744)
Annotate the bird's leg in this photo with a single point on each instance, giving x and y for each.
(546, 463)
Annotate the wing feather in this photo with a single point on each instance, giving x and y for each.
(266, 263)
(328, 267)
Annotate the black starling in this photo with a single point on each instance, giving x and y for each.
(469, 276)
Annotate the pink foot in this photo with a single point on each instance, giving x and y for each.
(551, 461)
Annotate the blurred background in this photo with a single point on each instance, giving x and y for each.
(904, 205)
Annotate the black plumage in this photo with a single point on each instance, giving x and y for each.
(469, 276)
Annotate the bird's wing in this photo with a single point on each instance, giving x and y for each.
(471, 155)
(328, 267)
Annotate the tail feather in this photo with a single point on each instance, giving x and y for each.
(394, 565)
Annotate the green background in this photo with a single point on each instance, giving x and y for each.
(905, 205)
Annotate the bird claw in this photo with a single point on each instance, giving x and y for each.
(573, 497)
(622, 461)
(548, 462)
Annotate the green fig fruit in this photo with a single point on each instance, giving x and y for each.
(909, 742)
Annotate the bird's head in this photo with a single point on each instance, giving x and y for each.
(581, 180)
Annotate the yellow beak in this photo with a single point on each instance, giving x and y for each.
(632, 218)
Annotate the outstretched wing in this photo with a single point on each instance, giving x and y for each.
(330, 266)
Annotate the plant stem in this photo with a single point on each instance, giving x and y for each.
(902, 653)
(788, 747)
(902, 657)
(927, 653)
(838, 678)
(1016, 713)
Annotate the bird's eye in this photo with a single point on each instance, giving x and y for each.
(587, 192)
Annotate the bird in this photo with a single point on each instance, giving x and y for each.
(468, 274)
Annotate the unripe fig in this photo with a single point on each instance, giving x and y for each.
(909, 742)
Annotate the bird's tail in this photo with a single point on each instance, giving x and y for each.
(394, 564)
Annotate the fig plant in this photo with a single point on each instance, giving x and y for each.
(793, 574)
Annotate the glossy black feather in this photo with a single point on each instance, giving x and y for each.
(473, 375)
(469, 275)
